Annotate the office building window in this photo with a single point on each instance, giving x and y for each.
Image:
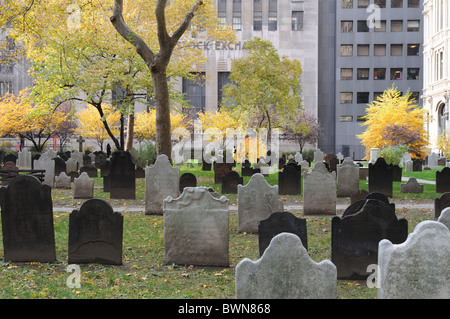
(362, 74)
(237, 23)
(195, 93)
(396, 73)
(439, 9)
(396, 3)
(273, 13)
(379, 74)
(396, 25)
(379, 50)
(413, 25)
(222, 12)
(257, 15)
(297, 20)
(346, 74)
(413, 49)
(346, 118)
(346, 98)
(381, 27)
(414, 96)
(413, 3)
(412, 73)
(362, 97)
(440, 65)
(361, 118)
(346, 26)
(396, 49)
(380, 3)
(346, 50)
(223, 78)
(363, 3)
(363, 49)
(6, 87)
(376, 95)
(362, 26)
(237, 15)
(346, 4)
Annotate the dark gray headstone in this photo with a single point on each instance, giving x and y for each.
(95, 234)
(105, 168)
(441, 203)
(289, 181)
(187, 180)
(27, 221)
(380, 177)
(220, 169)
(443, 180)
(60, 165)
(355, 237)
(281, 222)
(230, 181)
(122, 176)
(140, 172)
(90, 169)
(417, 164)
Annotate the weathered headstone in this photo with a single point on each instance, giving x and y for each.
(27, 221)
(433, 161)
(90, 169)
(60, 165)
(105, 168)
(380, 177)
(196, 229)
(122, 176)
(289, 181)
(45, 163)
(298, 158)
(443, 180)
(71, 165)
(76, 155)
(355, 237)
(95, 234)
(63, 181)
(256, 201)
(319, 191)
(318, 156)
(285, 271)
(220, 169)
(281, 222)
(187, 180)
(417, 165)
(347, 178)
(408, 165)
(440, 203)
(230, 182)
(445, 217)
(83, 187)
(161, 180)
(411, 186)
(419, 268)
(24, 159)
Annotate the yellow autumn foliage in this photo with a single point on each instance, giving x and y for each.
(145, 124)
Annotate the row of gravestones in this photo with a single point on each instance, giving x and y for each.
(196, 232)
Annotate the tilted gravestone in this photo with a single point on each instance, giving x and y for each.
(161, 180)
(289, 181)
(440, 203)
(83, 187)
(230, 182)
(380, 177)
(285, 271)
(319, 191)
(281, 222)
(256, 201)
(187, 180)
(443, 180)
(347, 178)
(419, 268)
(122, 176)
(196, 229)
(27, 221)
(95, 234)
(355, 237)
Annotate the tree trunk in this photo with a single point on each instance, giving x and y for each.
(130, 131)
(163, 131)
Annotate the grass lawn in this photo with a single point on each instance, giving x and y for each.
(143, 274)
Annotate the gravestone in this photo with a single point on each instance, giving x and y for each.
(205, 165)
(71, 165)
(433, 161)
(196, 229)
(441, 203)
(83, 187)
(51, 153)
(332, 161)
(90, 169)
(187, 180)
(122, 176)
(256, 201)
(445, 217)
(443, 180)
(340, 157)
(408, 166)
(319, 191)
(95, 234)
(417, 165)
(380, 177)
(285, 271)
(161, 180)
(347, 178)
(63, 181)
(418, 268)
(105, 169)
(60, 165)
(318, 156)
(355, 237)
(45, 163)
(73, 175)
(24, 159)
(411, 186)
(220, 169)
(281, 222)
(230, 182)
(289, 181)
(27, 221)
(139, 172)
(76, 155)
(298, 158)
(358, 195)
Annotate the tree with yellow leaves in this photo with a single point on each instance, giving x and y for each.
(19, 118)
(92, 127)
(394, 120)
(145, 124)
